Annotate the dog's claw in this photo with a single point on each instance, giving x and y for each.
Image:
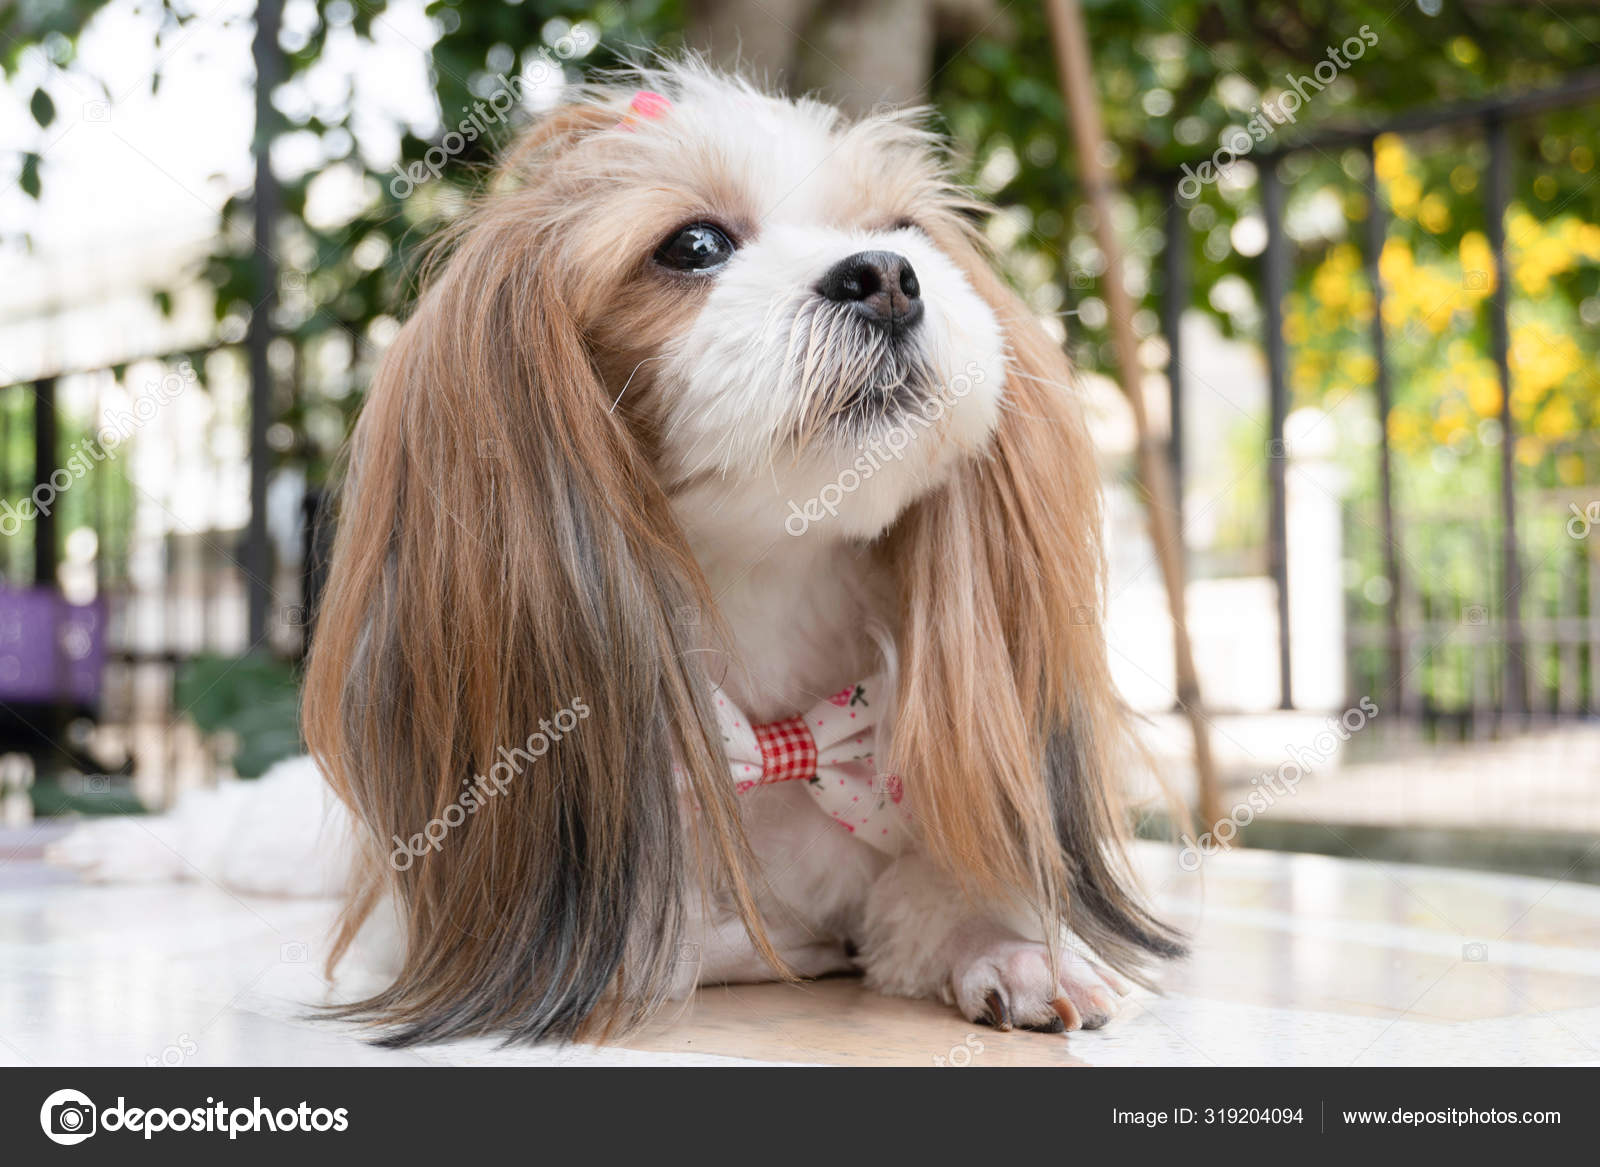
(1008, 982)
(1067, 1012)
(1102, 1008)
(999, 1011)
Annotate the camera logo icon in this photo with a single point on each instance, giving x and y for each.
(68, 1117)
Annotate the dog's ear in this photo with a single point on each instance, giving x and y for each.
(499, 685)
(1011, 733)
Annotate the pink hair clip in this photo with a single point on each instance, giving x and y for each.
(646, 104)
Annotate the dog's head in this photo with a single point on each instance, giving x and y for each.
(768, 291)
(682, 303)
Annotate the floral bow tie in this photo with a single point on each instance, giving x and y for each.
(831, 749)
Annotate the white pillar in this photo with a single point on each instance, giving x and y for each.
(1316, 561)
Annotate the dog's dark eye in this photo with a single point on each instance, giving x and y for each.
(698, 247)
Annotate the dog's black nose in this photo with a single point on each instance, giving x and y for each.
(880, 284)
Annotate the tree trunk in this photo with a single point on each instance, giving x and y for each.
(854, 53)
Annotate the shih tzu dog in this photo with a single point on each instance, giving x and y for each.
(715, 598)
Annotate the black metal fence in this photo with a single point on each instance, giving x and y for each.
(1524, 637)
(116, 579)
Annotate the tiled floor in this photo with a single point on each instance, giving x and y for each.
(1545, 778)
(1299, 960)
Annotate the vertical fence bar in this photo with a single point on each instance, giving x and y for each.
(1174, 298)
(46, 549)
(1376, 232)
(50, 720)
(1275, 279)
(315, 537)
(1514, 696)
(265, 206)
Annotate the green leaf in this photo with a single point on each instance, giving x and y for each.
(254, 698)
(29, 181)
(43, 109)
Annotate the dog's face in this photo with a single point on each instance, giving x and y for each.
(785, 314)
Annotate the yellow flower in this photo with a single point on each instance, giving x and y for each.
(1543, 254)
(1331, 286)
(1358, 368)
(1588, 242)
(1520, 224)
(1540, 362)
(1389, 158)
(1434, 215)
(1483, 393)
(1395, 263)
(1477, 264)
(1556, 420)
(1404, 192)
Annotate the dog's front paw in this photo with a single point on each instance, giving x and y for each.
(1005, 981)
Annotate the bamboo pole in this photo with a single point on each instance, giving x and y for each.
(1077, 83)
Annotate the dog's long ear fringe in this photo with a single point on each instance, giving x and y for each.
(1008, 717)
(501, 604)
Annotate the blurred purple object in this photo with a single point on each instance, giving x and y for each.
(50, 650)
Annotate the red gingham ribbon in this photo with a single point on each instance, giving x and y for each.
(788, 750)
(832, 747)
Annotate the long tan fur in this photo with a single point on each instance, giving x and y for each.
(1007, 714)
(504, 550)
